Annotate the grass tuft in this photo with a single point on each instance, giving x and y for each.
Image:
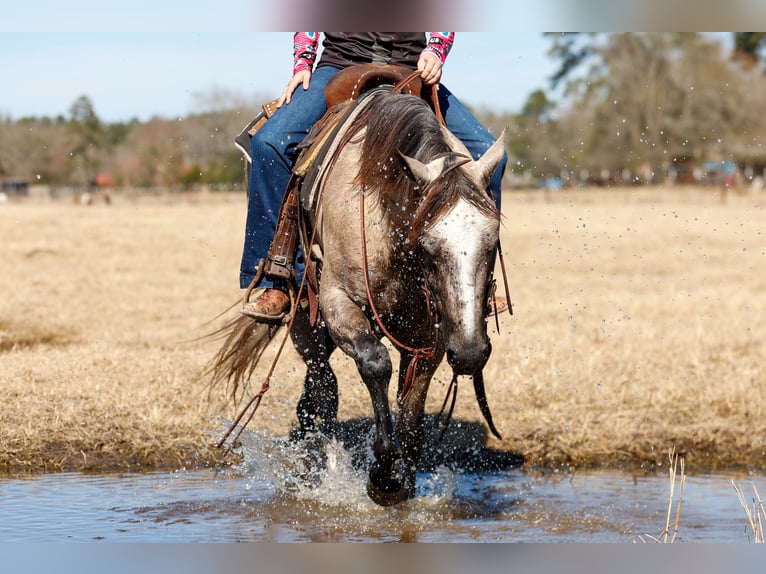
(755, 513)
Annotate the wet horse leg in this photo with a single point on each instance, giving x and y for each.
(352, 332)
(385, 485)
(318, 405)
(409, 428)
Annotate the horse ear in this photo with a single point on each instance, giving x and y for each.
(486, 165)
(423, 173)
(454, 143)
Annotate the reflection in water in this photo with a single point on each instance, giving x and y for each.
(279, 494)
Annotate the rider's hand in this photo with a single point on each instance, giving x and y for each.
(430, 68)
(302, 77)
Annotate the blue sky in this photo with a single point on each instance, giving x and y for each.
(151, 57)
(142, 74)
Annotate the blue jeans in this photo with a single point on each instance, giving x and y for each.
(273, 149)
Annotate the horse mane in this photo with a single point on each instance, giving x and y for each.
(405, 124)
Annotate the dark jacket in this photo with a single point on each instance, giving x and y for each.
(343, 49)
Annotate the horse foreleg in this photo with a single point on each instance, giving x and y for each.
(318, 405)
(353, 333)
(386, 479)
(409, 428)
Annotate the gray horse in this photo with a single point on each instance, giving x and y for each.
(405, 240)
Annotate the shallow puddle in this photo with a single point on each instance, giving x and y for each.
(263, 501)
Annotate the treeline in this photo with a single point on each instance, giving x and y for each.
(644, 107)
(81, 151)
(630, 107)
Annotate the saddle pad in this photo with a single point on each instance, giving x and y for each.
(314, 159)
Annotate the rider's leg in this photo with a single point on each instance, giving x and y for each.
(273, 151)
(474, 136)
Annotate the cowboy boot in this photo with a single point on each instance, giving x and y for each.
(271, 304)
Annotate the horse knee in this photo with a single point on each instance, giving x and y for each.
(373, 362)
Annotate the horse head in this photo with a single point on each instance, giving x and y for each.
(457, 227)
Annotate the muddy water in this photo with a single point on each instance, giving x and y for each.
(271, 497)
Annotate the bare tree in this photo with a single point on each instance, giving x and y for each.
(86, 137)
(654, 99)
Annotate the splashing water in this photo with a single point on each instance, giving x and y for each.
(321, 481)
(315, 468)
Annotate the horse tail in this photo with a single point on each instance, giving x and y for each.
(243, 344)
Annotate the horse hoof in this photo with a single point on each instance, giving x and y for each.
(394, 493)
(386, 490)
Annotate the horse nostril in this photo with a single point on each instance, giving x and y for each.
(468, 359)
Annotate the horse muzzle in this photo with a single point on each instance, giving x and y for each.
(468, 358)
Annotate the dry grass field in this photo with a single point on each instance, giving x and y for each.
(639, 325)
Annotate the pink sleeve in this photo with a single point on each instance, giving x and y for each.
(305, 47)
(440, 43)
